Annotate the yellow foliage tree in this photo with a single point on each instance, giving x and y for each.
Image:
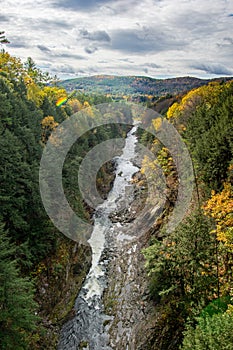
(157, 123)
(15, 70)
(220, 208)
(48, 124)
(75, 105)
(88, 108)
(11, 66)
(173, 110)
(207, 94)
(53, 93)
(33, 91)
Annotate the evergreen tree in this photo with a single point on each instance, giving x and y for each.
(212, 333)
(210, 137)
(3, 39)
(182, 265)
(17, 307)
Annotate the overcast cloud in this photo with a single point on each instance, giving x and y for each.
(158, 38)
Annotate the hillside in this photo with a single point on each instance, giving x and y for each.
(133, 85)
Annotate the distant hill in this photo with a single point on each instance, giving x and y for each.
(134, 85)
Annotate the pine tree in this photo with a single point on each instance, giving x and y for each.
(3, 39)
(17, 307)
(182, 264)
(212, 333)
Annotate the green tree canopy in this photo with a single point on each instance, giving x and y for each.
(211, 333)
(17, 307)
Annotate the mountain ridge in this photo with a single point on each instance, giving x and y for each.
(135, 85)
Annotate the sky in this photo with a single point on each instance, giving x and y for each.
(156, 38)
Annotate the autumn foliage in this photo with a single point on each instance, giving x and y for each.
(220, 208)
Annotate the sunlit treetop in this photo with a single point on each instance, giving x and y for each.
(207, 94)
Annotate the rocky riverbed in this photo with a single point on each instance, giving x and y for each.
(127, 296)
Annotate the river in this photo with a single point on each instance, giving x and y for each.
(89, 328)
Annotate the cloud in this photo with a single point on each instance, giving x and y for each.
(213, 68)
(57, 23)
(81, 71)
(99, 35)
(44, 48)
(128, 60)
(81, 5)
(193, 21)
(45, 25)
(228, 40)
(144, 40)
(123, 37)
(152, 65)
(17, 42)
(72, 55)
(63, 69)
(4, 18)
(120, 7)
(59, 55)
(91, 49)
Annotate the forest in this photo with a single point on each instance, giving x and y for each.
(35, 258)
(190, 271)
